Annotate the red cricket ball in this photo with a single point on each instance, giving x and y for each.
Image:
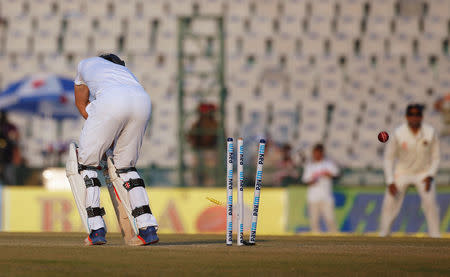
(383, 137)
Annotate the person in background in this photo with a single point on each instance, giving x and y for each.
(203, 138)
(286, 170)
(414, 150)
(10, 158)
(318, 174)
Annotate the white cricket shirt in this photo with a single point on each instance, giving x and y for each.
(321, 190)
(412, 154)
(101, 75)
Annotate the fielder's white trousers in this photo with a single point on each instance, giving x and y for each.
(325, 209)
(119, 117)
(392, 204)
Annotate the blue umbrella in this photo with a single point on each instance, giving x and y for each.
(41, 94)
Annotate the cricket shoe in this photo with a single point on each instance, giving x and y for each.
(96, 237)
(148, 235)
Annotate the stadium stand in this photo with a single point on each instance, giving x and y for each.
(331, 54)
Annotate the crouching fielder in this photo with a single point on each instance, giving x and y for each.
(414, 149)
(116, 119)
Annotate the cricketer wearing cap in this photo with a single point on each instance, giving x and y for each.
(414, 150)
(117, 110)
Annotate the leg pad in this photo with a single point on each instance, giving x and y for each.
(133, 183)
(141, 210)
(92, 182)
(96, 211)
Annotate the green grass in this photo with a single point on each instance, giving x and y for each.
(46, 254)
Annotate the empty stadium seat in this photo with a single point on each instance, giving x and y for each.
(382, 8)
(97, 8)
(126, 8)
(261, 25)
(408, 25)
(373, 44)
(349, 25)
(438, 8)
(430, 44)
(437, 25)
(342, 44)
(181, 7)
(18, 42)
(401, 44)
(137, 37)
(12, 8)
(312, 44)
(80, 23)
(154, 8)
(320, 25)
(290, 25)
(40, 7)
(104, 41)
(351, 8)
(237, 8)
(70, 7)
(379, 25)
(205, 27)
(76, 42)
(285, 45)
(268, 8)
(212, 7)
(111, 24)
(325, 8)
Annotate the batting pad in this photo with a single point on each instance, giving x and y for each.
(121, 192)
(77, 184)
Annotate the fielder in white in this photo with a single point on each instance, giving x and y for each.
(414, 149)
(117, 110)
(318, 175)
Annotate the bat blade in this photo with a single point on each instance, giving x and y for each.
(128, 234)
(122, 218)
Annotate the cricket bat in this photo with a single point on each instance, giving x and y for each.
(128, 234)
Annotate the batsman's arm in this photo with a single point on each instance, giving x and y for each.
(82, 99)
(435, 157)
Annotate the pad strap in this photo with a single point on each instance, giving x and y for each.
(141, 210)
(125, 170)
(132, 183)
(82, 167)
(92, 182)
(96, 211)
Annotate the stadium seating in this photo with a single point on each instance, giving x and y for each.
(293, 69)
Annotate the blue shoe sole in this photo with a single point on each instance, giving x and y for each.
(148, 243)
(97, 241)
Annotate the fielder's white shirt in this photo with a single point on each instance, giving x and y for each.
(321, 190)
(412, 154)
(101, 75)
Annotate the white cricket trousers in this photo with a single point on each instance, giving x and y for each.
(119, 116)
(392, 204)
(325, 209)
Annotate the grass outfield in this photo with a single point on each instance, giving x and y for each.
(55, 254)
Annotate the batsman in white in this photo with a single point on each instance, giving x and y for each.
(117, 110)
(318, 175)
(414, 149)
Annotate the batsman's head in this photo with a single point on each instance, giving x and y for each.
(112, 58)
(414, 115)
